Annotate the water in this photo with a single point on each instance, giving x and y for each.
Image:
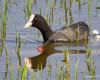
(52, 58)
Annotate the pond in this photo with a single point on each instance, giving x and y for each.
(24, 56)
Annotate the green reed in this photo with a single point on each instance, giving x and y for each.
(79, 5)
(61, 73)
(24, 73)
(61, 3)
(88, 55)
(28, 10)
(97, 7)
(54, 3)
(67, 8)
(6, 73)
(33, 77)
(66, 58)
(91, 68)
(47, 9)
(47, 2)
(51, 14)
(18, 48)
(11, 70)
(89, 11)
(5, 18)
(76, 69)
(66, 12)
(70, 11)
(39, 67)
(90, 64)
(49, 71)
(83, 76)
(47, 15)
(4, 23)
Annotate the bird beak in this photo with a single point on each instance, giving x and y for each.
(28, 25)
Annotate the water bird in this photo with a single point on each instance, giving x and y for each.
(96, 35)
(77, 31)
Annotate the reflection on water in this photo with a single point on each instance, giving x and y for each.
(39, 62)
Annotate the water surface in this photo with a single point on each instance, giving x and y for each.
(52, 58)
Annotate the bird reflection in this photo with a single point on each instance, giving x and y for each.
(39, 62)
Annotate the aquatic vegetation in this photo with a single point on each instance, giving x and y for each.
(5, 19)
(24, 73)
(4, 24)
(76, 69)
(49, 68)
(18, 48)
(66, 12)
(33, 77)
(66, 58)
(70, 11)
(6, 74)
(89, 12)
(90, 65)
(79, 5)
(28, 7)
(61, 73)
(11, 71)
(97, 7)
(64, 72)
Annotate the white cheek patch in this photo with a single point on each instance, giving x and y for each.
(29, 23)
(28, 63)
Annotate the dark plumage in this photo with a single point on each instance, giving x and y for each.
(77, 31)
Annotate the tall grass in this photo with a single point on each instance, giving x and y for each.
(90, 65)
(4, 21)
(18, 50)
(61, 73)
(76, 69)
(33, 77)
(11, 71)
(24, 73)
(66, 58)
(28, 9)
(70, 11)
(90, 12)
(47, 12)
(7, 62)
(97, 7)
(79, 7)
(66, 12)
(51, 14)
(3, 35)
(49, 71)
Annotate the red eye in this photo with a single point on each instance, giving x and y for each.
(40, 48)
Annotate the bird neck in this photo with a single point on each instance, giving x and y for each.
(45, 30)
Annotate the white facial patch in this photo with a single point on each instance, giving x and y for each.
(27, 62)
(31, 17)
(29, 23)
